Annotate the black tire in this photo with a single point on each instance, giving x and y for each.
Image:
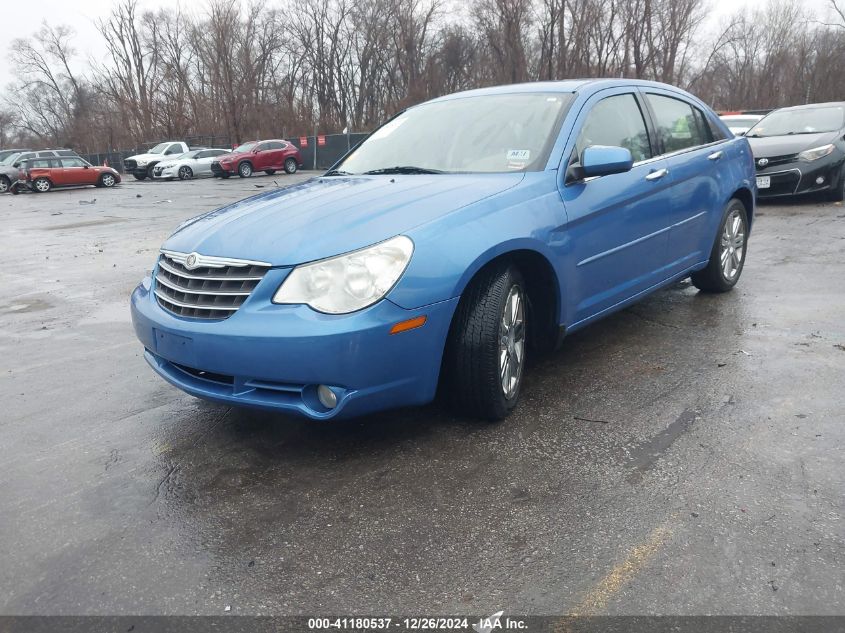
(291, 166)
(150, 171)
(107, 180)
(245, 169)
(140, 176)
(269, 172)
(837, 194)
(719, 276)
(225, 175)
(473, 362)
(41, 185)
(5, 184)
(185, 173)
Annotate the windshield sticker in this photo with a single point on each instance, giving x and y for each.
(519, 154)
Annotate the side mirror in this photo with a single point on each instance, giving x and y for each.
(85, 166)
(600, 160)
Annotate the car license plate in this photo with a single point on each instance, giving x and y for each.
(175, 348)
(764, 182)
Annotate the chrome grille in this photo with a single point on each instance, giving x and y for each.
(129, 164)
(778, 160)
(204, 287)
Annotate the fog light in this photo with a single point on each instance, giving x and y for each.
(820, 180)
(328, 398)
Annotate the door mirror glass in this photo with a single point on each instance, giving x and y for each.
(601, 160)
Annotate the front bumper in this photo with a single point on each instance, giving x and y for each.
(161, 173)
(218, 170)
(273, 357)
(801, 177)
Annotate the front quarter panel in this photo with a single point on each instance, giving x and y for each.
(450, 250)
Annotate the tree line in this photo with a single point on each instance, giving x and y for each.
(249, 71)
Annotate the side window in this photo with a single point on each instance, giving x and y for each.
(216, 152)
(263, 147)
(199, 155)
(42, 163)
(72, 162)
(275, 145)
(676, 123)
(173, 149)
(714, 132)
(616, 121)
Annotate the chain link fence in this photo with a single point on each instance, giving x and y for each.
(318, 152)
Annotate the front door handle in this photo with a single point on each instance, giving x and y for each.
(657, 174)
(715, 156)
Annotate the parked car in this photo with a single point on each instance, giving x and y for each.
(10, 168)
(800, 150)
(193, 164)
(267, 156)
(43, 174)
(463, 235)
(739, 124)
(141, 165)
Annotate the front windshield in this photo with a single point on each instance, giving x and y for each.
(11, 158)
(802, 121)
(483, 134)
(159, 149)
(191, 154)
(246, 147)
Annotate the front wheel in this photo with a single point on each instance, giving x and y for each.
(485, 355)
(107, 180)
(244, 170)
(140, 176)
(42, 185)
(837, 194)
(185, 173)
(290, 165)
(5, 184)
(727, 256)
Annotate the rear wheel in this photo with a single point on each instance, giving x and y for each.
(269, 172)
(485, 355)
(244, 170)
(5, 184)
(290, 165)
(42, 185)
(727, 256)
(185, 173)
(107, 180)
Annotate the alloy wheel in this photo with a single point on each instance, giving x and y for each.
(4, 185)
(732, 245)
(184, 173)
(512, 342)
(108, 180)
(42, 185)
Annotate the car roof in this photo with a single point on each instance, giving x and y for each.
(812, 106)
(734, 117)
(563, 86)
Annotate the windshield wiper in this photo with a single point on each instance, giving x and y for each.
(406, 169)
(338, 172)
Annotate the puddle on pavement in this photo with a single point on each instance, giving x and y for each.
(23, 307)
(79, 225)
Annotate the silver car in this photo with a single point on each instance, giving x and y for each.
(193, 164)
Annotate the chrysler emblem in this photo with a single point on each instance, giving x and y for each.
(762, 162)
(191, 261)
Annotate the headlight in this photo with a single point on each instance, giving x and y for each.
(142, 163)
(816, 153)
(346, 283)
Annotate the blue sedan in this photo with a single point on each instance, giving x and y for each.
(461, 237)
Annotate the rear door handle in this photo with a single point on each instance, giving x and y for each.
(657, 174)
(715, 156)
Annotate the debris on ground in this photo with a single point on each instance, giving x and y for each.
(92, 201)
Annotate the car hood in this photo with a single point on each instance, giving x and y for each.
(233, 156)
(146, 157)
(331, 215)
(769, 146)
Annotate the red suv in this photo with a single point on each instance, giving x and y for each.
(267, 156)
(42, 174)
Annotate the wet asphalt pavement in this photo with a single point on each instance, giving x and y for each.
(683, 456)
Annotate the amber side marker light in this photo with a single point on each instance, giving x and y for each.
(410, 324)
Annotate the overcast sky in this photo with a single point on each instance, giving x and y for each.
(20, 19)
